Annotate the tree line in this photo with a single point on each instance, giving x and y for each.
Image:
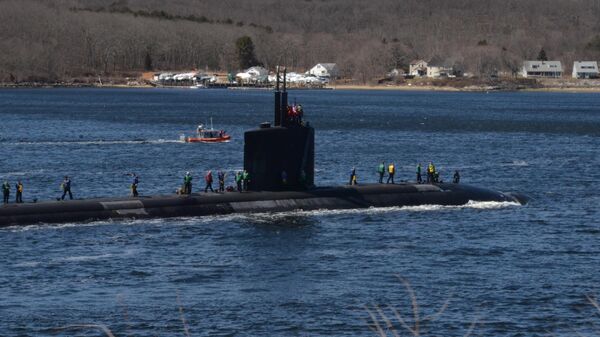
(64, 39)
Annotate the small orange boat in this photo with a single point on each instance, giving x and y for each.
(204, 135)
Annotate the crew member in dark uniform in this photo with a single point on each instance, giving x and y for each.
(66, 187)
(221, 177)
(6, 191)
(134, 185)
(456, 179)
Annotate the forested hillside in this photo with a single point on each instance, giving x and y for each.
(52, 40)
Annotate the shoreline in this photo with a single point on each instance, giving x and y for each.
(351, 87)
(466, 89)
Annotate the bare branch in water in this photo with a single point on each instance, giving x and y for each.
(472, 327)
(401, 320)
(375, 321)
(369, 325)
(102, 327)
(577, 333)
(443, 308)
(382, 325)
(123, 305)
(593, 302)
(414, 303)
(387, 321)
(185, 327)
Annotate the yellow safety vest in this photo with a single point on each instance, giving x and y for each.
(391, 168)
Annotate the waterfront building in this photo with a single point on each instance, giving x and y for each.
(329, 70)
(546, 69)
(585, 69)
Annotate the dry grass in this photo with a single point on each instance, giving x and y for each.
(182, 316)
(100, 327)
(382, 325)
(109, 333)
(379, 321)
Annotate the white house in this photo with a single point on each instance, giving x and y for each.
(417, 68)
(549, 69)
(439, 71)
(585, 69)
(325, 70)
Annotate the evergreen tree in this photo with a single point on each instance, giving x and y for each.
(148, 62)
(542, 55)
(245, 52)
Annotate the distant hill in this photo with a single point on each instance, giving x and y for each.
(61, 39)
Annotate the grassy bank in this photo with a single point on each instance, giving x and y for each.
(422, 84)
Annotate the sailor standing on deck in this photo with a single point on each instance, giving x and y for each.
(300, 113)
(6, 191)
(419, 178)
(134, 185)
(238, 180)
(19, 188)
(221, 177)
(430, 173)
(208, 178)
(352, 176)
(456, 179)
(391, 172)
(381, 171)
(66, 187)
(187, 183)
(245, 179)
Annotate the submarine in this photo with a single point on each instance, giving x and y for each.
(286, 146)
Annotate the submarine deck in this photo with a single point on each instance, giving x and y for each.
(198, 204)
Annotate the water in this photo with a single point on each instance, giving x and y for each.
(514, 270)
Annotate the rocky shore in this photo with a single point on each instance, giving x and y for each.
(448, 84)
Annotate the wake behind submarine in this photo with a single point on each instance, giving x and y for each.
(268, 151)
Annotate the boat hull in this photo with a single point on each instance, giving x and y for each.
(342, 197)
(208, 140)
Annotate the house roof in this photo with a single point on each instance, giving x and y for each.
(542, 66)
(413, 62)
(585, 67)
(328, 66)
(257, 69)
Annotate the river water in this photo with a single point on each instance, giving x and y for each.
(512, 270)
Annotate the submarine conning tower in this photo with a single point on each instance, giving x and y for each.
(280, 156)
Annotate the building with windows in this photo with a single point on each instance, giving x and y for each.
(542, 69)
(585, 69)
(417, 68)
(329, 70)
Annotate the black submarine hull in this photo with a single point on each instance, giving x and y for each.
(200, 204)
